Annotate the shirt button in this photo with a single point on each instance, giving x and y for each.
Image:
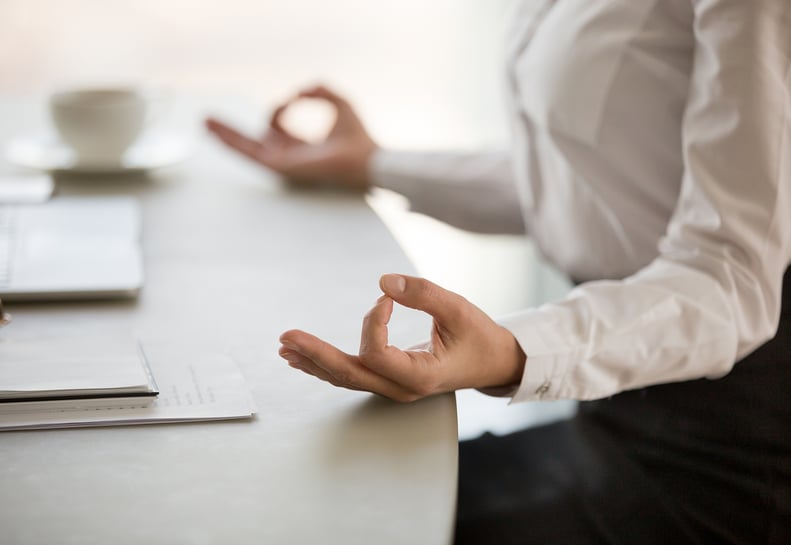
(544, 388)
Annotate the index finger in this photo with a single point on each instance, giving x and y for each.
(373, 337)
(277, 114)
(324, 93)
(414, 370)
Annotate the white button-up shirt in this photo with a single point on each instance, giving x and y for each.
(652, 163)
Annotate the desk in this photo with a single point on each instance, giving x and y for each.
(231, 261)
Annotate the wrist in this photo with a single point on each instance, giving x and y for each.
(512, 360)
(364, 169)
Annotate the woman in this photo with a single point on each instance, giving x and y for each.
(652, 164)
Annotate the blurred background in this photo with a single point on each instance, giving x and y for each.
(423, 75)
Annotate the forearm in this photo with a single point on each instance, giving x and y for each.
(714, 293)
(475, 192)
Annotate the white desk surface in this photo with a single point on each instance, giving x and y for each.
(231, 261)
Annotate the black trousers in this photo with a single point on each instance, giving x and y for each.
(705, 461)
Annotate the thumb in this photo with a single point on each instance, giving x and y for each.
(420, 294)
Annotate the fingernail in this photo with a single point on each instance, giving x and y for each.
(289, 344)
(393, 283)
(291, 357)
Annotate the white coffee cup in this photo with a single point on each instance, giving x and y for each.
(99, 124)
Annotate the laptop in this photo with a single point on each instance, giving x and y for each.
(70, 248)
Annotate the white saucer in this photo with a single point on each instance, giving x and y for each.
(155, 149)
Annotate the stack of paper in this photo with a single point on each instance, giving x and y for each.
(27, 188)
(69, 370)
(194, 384)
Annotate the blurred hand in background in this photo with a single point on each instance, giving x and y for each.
(340, 159)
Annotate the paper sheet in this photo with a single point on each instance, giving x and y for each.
(47, 368)
(194, 385)
(27, 189)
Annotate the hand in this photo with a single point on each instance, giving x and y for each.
(467, 349)
(340, 159)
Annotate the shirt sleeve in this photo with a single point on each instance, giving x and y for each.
(475, 192)
(713, 295)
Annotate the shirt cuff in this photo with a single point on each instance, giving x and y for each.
(549, 358)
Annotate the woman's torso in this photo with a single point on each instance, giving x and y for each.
(597, 92)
